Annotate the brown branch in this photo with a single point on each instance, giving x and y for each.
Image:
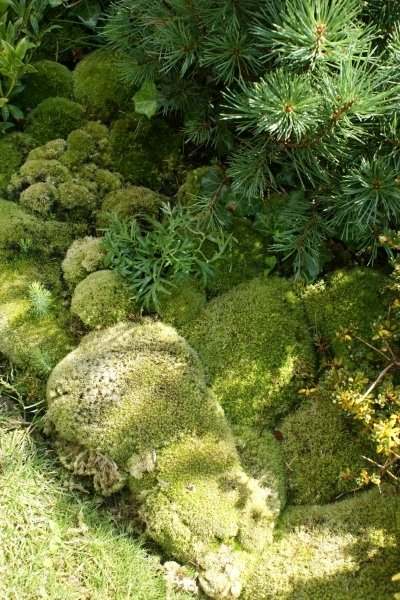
(377, 381)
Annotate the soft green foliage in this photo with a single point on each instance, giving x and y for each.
(244, 259)
(255, 342)
(155, 256)
(347, 549)
(14, 148)
(26, 321)
(48, 237)
(129, 202)
(101, 299)
(145, 152)
(133, 402)
(84, 256)
(348, 300)
(97, 85)
(50, 79)
(51, 534)
(54, 118)
(322, 452)
(183, 304)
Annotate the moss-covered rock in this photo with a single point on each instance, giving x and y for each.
(14, 148)
(335, 552)
(48, 237)
(183, 304)
(323, 452)
(146, 152)
(51, 79)
(132, 399)
(39, 197)
(29, 339)
(257, 347)
(85, 256)
(101, 299)
(349, 299)
(128, 202)
(98, 86)
(75, 196)
(244, 259)
(54, 118)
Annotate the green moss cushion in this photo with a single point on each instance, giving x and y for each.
(14, 148)
(257, 347)
(84, 256)
(54, 118)
(183, 304)
(128, 202)
(49, 80)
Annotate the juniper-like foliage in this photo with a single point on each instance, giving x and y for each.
(294, 95)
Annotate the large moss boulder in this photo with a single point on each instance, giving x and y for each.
(256, 344)
(131, 405)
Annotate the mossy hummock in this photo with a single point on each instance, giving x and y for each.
(49, 80)
(54, 118)
(84, 256)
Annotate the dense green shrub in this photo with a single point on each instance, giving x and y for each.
(54, 118)
(97, 85)
(101, 299)
(156, 424)
(257, 347)
(84, 256)
(50, 79)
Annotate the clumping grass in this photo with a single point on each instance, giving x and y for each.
(57, 545)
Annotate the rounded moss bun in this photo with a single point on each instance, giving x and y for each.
(84, 256)
(39, 197)
(52, 150)
(90, 144)
(183, 304)
(98, 86)
(128, 202)
(323, 452)
(101, 299)
(54, 118)
(14, 148)
(257, 347)
(50, 79)
(131, 404)
(349, 299)
(145, 152)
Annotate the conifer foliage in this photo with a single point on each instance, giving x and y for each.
(294, 96)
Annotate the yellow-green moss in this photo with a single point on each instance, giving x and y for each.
(38, 170)
(128, 202)
(101, 299)
(98, 86)
(75, 196)
(322, 452)
(49, 80)
(52, 150)
(336, 552)
(90, 143)
(257, 347)
(105, 181)
(244, 259)
(183, 304)
(347, 300)
(84, 256)
(54, 118)
(146, 152)
(14, 148)
(39, 198)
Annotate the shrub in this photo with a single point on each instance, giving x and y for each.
(50, 79)
(98, 86)
(54, 118)
(84, 256)
(129, 202)
(255, 342)
(155, 423)
(101, 299)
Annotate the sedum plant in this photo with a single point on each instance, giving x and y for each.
(294, 96)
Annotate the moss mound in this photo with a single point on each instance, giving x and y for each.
(257, 347)
(128, 202)
(340, 551)
(322, 452)
(101, 299)
(244, 260)
(347, 300)
(133, 402)
(51, 79)
(183, 304)
(14, 148)
(54, 118)
(146, 152)
(98, 86)
(84, 256)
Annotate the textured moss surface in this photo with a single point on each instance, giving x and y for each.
(347, 300)
(98, 86)
(51, 79)
(257, 347)
(335, 552)
(101, 299)
(84, 256)
(14, 148)
(183, 304)
(54, 118)
(128, 202)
